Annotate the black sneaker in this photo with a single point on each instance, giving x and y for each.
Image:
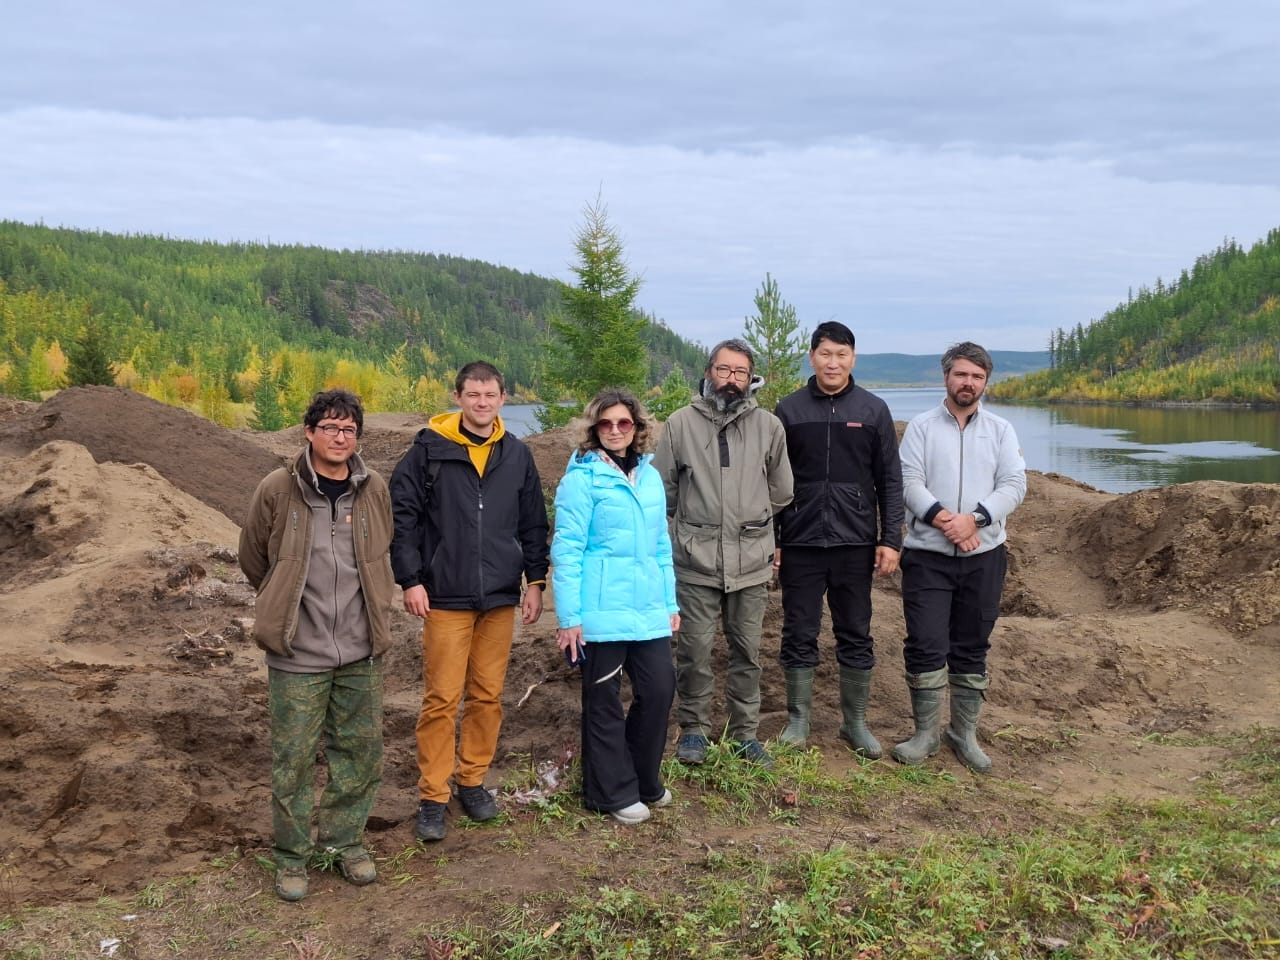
(430, 820)
(692, 748)
(478, 803)
(753, 751)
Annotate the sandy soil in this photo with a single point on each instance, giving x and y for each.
(134, 745)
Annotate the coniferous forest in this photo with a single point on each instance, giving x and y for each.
(225, 329)
(1213, 335)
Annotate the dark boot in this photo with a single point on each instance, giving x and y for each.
(855, 691)
(799, 704)
(968, 690)
(927, 690)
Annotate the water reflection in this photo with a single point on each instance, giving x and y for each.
(1118, 449)
(1131, 448)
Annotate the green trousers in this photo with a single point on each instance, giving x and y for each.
(345, 707)
(740, 613)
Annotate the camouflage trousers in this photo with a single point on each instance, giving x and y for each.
(345, 707)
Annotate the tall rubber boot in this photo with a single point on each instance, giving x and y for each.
(855, 691)
(799, 705)
(968, 690)
(927, 691)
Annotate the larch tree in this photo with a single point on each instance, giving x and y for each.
(775, 336)
(596, 335)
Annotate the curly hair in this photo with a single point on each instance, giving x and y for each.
(642, 441)
(339, 404)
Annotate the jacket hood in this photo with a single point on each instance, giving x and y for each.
(707, 392)
(449, 426)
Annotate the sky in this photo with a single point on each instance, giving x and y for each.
(924, 173)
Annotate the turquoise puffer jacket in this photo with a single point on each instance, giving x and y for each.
(611, 553)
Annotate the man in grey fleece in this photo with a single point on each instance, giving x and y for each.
(962, 476)
(316, 546)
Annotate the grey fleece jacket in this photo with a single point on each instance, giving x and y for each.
(960, 470)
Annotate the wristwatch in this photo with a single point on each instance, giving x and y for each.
(980, 519)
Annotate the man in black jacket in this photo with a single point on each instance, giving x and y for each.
(470, 521)
(844, 525)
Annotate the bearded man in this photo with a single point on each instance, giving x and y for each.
(724, 462)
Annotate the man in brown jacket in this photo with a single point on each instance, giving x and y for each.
(315, 545)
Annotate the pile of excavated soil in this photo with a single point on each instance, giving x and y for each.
(135, 744)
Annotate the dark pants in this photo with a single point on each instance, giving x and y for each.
(622, 754)
(951, 605)
(843, 575)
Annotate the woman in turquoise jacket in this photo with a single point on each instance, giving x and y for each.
(615, 598)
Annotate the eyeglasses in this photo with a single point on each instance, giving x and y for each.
(724, 372)
(332, 430)
(604, 425)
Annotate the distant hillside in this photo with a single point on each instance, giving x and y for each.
(1210, 336)
(912, 370)
(203, 324)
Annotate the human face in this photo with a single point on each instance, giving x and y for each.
(329, 454)
(480, 401)
(611, 437)
(729, 372)
(965, 382)
(832, 364)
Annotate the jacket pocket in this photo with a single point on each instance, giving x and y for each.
(755, 547)
(697, 547)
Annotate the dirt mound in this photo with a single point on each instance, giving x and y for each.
(216, 466)
(135, 738)
(1209, 546)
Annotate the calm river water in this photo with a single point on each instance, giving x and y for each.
(1117, 449)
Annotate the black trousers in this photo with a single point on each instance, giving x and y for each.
(622, 753)
(843, 576)
(951, 604)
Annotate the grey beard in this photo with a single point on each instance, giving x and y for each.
(725, 398)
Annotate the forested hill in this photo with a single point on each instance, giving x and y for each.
(1213, 335)
(203, 323)
(917, 370)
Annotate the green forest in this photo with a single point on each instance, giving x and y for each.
(1211, 336)
(208, 326)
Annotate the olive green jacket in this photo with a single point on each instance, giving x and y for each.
(726, 474)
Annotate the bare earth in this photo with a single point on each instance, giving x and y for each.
(134, 742)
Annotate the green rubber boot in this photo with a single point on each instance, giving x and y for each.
(968, 690)
(799, 705)
(927, 690)
(855, 691)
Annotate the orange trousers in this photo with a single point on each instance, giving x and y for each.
(464, 661)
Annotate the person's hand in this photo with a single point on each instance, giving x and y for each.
(886, 561)
(531, 606)
(416, 602)
(958, 527)
(675, 623)
(570, 638)
(973, 543)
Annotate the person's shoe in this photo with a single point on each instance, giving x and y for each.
(636, 813)
(358, 867)
(291, 883)
(430, 820)
(663, 801)
(753, 751)
(478, 803)
(692, 748)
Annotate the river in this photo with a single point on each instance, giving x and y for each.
(1113, 448)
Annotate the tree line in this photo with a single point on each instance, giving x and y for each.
(1211, 335)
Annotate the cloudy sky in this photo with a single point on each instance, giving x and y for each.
(923, 172)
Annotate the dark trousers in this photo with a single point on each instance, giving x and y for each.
(951, 604)
(622, 753)
(843, 575)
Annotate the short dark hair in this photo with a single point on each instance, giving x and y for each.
(832, 330)
(642, 441)
(967, 351)
(480, 371)
(737, 346)
(339, 404)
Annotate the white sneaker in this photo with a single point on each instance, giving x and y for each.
(636, 813)
(664, 800)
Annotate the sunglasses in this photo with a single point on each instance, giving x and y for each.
(604, 424)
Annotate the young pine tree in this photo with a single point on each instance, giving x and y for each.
(88, 360)
(779, 344)
(597, 334)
